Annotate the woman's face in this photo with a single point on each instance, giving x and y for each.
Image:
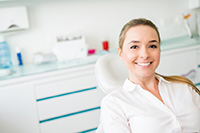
(141, 51)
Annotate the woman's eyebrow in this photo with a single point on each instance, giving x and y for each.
(153, 41)
(134, 41)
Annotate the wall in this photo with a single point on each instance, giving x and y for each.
(96, 19)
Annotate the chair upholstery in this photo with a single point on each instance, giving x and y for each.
(110, 72)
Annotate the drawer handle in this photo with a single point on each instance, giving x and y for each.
(89, 130)
(64, 94)
(67, 115)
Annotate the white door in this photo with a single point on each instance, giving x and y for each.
(18, 109)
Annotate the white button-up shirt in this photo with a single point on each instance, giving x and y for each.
(132, 109)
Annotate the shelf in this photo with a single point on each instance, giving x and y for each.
(30, 69)
(180, 42)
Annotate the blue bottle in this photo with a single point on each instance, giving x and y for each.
(5, 57)
(19, 56)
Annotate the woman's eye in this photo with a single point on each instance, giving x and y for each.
(134, 47)
(153, 46)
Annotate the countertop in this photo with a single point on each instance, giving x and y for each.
(31, 69)
(181, 42)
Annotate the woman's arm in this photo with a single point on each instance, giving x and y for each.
(113, 118)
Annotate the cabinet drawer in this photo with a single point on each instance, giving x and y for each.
(68, 104)
(179, 63)
(65, 85)
(83, 122)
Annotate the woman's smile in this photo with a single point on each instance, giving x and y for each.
(143, 64)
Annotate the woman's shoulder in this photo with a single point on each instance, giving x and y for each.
(116, 96)
(179, 88)
(177, 85)
(114, 93)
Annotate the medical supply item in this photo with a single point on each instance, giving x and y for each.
(13, 19)
(5, 57)
(105, 45)
(70, 48)
(19, 56)
(91, 51)
(187, 25)
(40, 58)
(198, 24)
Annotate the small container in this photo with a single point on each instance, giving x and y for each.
(105, 45)
(19, 56)
(5, 57)
(91, 51)
(40, 58)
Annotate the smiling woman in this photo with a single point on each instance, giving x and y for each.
(149, 102)
(140, 52)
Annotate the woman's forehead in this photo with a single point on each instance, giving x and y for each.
(141, 31)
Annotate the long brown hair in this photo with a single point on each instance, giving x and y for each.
(143, 21)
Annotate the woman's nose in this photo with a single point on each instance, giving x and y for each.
(144, 54)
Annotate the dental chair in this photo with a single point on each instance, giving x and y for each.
(111, 73)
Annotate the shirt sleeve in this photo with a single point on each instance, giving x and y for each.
(113, 119)
(195, 96)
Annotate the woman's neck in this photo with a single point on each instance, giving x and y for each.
(148, 83)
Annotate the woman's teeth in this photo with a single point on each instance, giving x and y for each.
(144, 64)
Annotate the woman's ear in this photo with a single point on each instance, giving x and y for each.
(120, 53)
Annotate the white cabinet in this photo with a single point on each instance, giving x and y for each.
(181, 62)
(18, 112)
(69, 102)
(62, 101)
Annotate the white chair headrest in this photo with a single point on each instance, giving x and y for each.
(111, 72)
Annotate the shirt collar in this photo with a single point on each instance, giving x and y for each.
(130, 86)
(160, 79)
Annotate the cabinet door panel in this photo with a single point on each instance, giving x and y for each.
(65, 85)
(69, 104)
(179, 63)
(18, 112)
(72, 124)
(198, 69)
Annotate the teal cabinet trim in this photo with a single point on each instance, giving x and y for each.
(64, 94)
(70, 114)
(197, 84)
(89, 130)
